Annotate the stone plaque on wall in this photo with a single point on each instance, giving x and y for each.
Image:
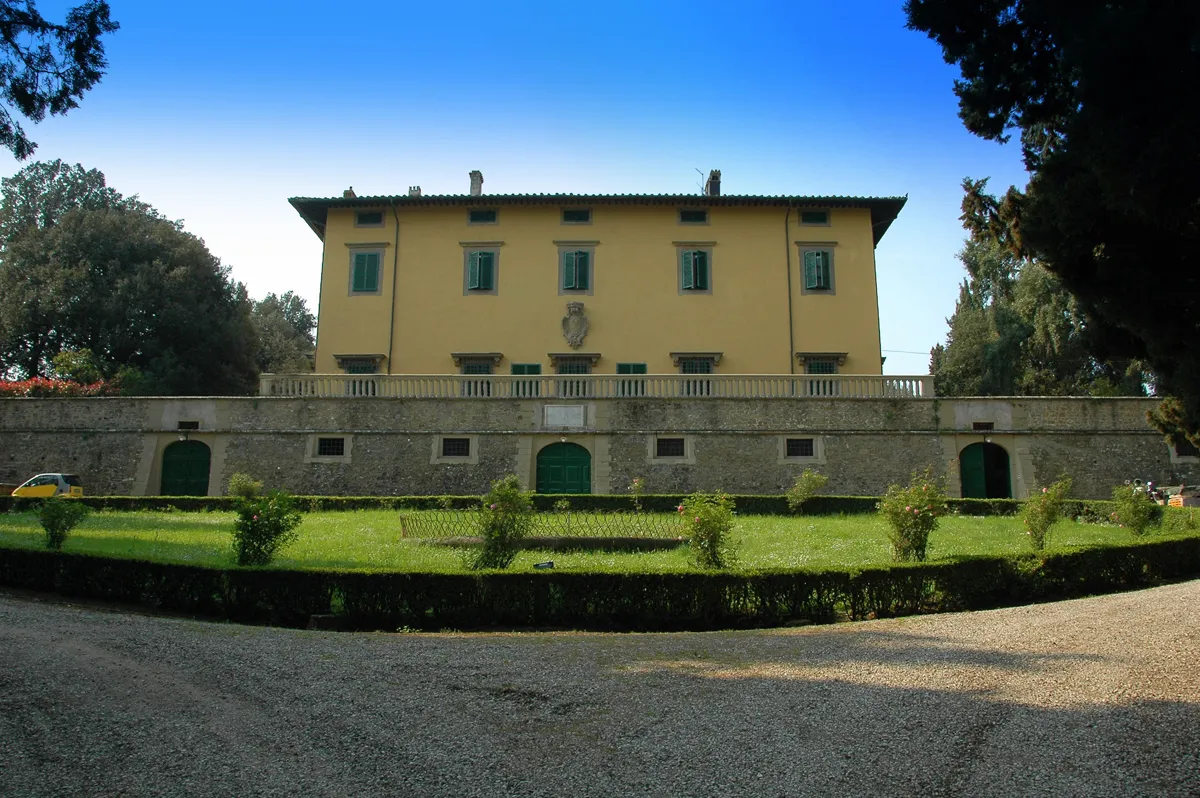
(565, 416)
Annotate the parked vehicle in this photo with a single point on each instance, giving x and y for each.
(44, 485)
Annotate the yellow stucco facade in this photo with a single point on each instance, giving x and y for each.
(754, 313)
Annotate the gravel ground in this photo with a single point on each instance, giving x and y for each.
(1099, 697)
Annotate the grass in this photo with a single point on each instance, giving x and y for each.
(369, 540)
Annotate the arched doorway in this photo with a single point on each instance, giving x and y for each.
(983, 468)
(185, 469)
(564, 468)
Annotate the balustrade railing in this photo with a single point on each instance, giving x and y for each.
(598, 386)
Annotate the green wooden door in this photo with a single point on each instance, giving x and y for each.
(984, 471)
(185, 469)
(970, 468)
(564, 468)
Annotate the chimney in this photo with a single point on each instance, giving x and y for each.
(476, 183)
(349, 193)
(414, 191)
(712, 187)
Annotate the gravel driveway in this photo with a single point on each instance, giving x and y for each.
(1099, 697)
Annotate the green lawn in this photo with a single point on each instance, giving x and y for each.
(369, 540)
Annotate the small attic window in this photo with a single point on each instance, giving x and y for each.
(481, 216)
(693, 216)
(814, 217)
(368, 219)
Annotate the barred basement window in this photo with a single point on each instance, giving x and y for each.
(669, 447)
(983, 426)
(801, 447)
(331, 447)
(188, 425)
(456, 447)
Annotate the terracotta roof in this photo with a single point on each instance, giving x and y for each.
(315, 210)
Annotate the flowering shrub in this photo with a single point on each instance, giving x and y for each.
(1043, 510)
(504, 521)
(637, 488)
(1136, 511)
(707, 521)
(58, 517)
(912, 514)
(805, 487)
(42, 386)
(264, 525)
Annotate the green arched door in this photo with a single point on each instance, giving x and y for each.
(185, 469)
(564, 468)
(983, 468)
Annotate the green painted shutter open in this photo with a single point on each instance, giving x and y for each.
(817, 275)
(700, 269)
(689, 273)
(366, 272)
(481, 271)
(581, 271)
(473, 271)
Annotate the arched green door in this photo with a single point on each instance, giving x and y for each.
(564, 468)
(185, 469)
(983, 468)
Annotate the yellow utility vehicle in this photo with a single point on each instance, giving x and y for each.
(44, 485)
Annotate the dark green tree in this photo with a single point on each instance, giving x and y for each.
(37, 196)
(285, 333)
(45, 67)
(1112, 208)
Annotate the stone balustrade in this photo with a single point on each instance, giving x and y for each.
(598, 386)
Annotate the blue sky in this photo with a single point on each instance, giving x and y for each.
(216, 112)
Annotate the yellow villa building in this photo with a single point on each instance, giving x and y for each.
(552, 284)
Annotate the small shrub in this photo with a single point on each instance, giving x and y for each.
(912, 514)
(504, 521)
(244, 486)
(708, 522)
(562, 506)
(1135, 510)
(58, 517)
(264, 525)
(806, 486)
(1180, 519)
(1043, 510)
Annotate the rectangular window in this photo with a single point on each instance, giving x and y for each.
(694, 270)
(481, 270)
(482, 216)
(669, 447)
(818, 270)
(456, 447)
(693, 216)
(576, 270)
(364, 272)
(577, 216)
(573, 365)
(983, 426)
(696, 365)
(801, 447)
(526, 388)
(820, 366)
(633, 387)
(1186, 449)
(360, 365)
(477, 368)
(814, 217)
(331, 447)
(368, 219)
(189, 425)
(573, 388)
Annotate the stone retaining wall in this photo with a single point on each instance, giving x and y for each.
(116, 445)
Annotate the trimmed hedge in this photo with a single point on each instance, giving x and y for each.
(746, 504)
(700, 600)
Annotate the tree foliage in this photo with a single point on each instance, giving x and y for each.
(89, 270)
(285, 333)
(1015, 330)
(1113, 202)
(46, 67)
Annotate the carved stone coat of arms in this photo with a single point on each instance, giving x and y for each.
(575, 325)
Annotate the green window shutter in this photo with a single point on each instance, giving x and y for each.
(631, 368)
(568, 270)
(582, 270)
(473, 271)
(817, 272)
(526, 369)
(700, 268)
(366, 272)
(689, 274)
